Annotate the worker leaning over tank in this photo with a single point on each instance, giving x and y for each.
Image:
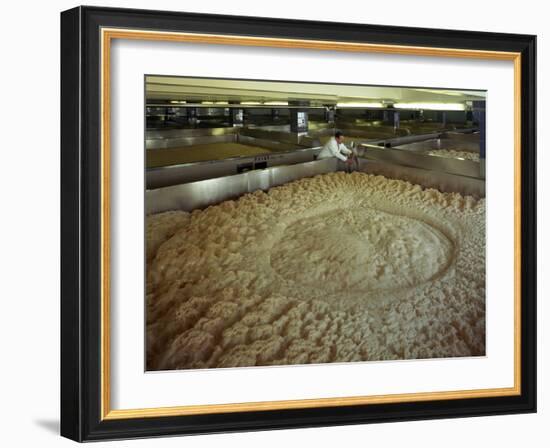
(335, 148)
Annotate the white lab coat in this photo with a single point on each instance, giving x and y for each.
(334, 149)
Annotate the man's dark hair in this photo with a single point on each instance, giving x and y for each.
(338, 134)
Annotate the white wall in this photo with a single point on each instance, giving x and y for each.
(30, 237)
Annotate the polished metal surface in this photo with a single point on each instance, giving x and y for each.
(268, 137)
(191, 172)
(178, 142)
(456, 142)
(193, 195)
(269, 127)
(273, 145)
(419, 160)
(286, 148)
(290, 149)
(444, 182)
(398, 141)
(370, 127)
(153, 134)
(353, 135)
(280, 146)
(201, 194)
(174, 138)
(271, 135)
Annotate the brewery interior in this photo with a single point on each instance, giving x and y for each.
(250, 135)
(262, 251)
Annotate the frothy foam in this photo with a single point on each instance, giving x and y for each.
(339, 267)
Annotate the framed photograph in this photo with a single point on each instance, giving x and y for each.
(274, 223)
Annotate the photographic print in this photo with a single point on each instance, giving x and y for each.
(297, 223)
(272, 223)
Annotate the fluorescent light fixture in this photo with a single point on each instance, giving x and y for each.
(276, 103)
(360, 105)
(251, 103)
(221, 102)
(430, 106)
(178, 102)
(207, 102)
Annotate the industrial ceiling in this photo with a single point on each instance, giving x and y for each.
(162, 88)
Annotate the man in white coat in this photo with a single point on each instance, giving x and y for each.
(335, 148)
